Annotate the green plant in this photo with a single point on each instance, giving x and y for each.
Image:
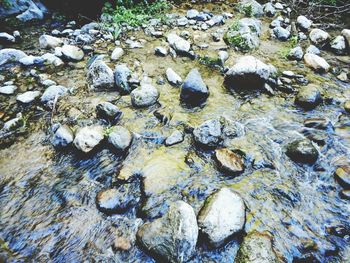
(247, 10)
(210, 62)
(5, 3)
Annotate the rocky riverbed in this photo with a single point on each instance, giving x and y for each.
(221, 134)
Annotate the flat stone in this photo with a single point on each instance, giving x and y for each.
(8, 90)
(28, 97)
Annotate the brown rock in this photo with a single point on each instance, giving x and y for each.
(347, 106)
(342, 174)
(229, 161)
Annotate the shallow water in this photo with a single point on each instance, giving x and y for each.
(47, 197)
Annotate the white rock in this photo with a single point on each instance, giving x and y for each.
(144, 96)
(120, 138)
(47, 41)
(28, 97)
(173, 77)
(316, 62)
(72, 53)
(318, 36)
(8, 55)
(88, 138)
(178, 43)
(8, 89)
(304, 23)
(117, 53)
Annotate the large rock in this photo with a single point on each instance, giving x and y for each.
(100, 76)
(194, 91)
(122, 74)
(302, 151)
(120, 138)
(257, 248)
(87, 138)
(10, 55)
(229, 161)
(72, 53)
(338, 45)
(62, 137)
(32, 13)
(251, 8)
(47, 41)
(281, 33)
(308, 97)
(316, 63)
(172, 237)
(244, 34)
(144, 96)
(53, 93)
(303, 23)
(318, 36)
(248, 73)
(222, 216)
(208, 133)
(178, 43)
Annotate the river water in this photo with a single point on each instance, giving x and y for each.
(47, 196)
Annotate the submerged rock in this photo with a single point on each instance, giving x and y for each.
(248, 73)
(120, 138)
(257, 248)
(316, 63)
(308, 97)
(88, 138)
(10, 55)
(62, 137)
(194, 91)
(144, 96)
(222, 216)
(208, 133)
(72, 53)
(302, 151)
(100, 76)
(229, 161)
(172, 237)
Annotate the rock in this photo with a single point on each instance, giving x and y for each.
(318, 36)
(316, 63)
(52, 59)
(222, 216)
(318, 123)
(345, 194)
(223, 56)
(313, 50)
(347, 106)
(100, 76)
(180, 45)
(304, 23)
(33, 13)
(144, 96)
(88, 138)
(122, 74)
(175, 138)
(172, 77)
(46, 41)
(229, 161)
(208, 133)
(192, 14)
(308, 97)
(302, 151)
(114, 201)
(120, 138)
(343, 77)
(6, 38)
(8, 89)
(257, 248)
(269, 9)
(172, 237)
(84, 39)
(346, 33)
(72, 53)
(31, 60)
(182, 21)
(108, 111)
(296, 53)
(281, 33)
(14, 123)
(248, 73)
(117, 53)
(161, 51)
(338, 45)
(342, 174)
(194, 91)
(28, 97)
(10, 55)
(251, 8)
(62, 137)
(52, 93)
(244, 34)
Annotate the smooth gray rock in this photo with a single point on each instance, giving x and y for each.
(8, 89)
(122, 74)
(117, 53)
(8, 55)
(28, 97)
(194, 91)
(318, 37)
(296, 53)
(222, 216)
(175, 138)
(208, 133)
(72, 53)
(120, 138)
(87, 138)
(173, 77)
(144, 96)
(313, 50)
(100, 76)
(172, 237)
(47, 41)
(281, 33)
(304, 23)
(62, 137)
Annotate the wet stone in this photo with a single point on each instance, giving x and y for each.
(217, 220)
(208, 133)
(342, 174)
(120, 138)
(194, 91)
(175, 138)
(172, 237)
(87, 138)
(229, 161)
(302, 151)
(108, 111)
(62, 137)
(308, 97)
